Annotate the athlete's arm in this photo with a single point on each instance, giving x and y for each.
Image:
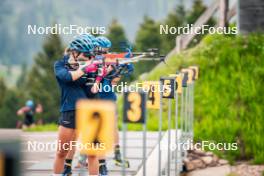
(115, 80)
(76, 74)
(39, 108)
(64, 75)
(23, 110)
(130, 68)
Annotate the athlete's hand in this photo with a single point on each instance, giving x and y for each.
(89, 68)
(115, 80)
(95, 88)
(102, 72)
(39, 108)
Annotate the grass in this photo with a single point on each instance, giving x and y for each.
(229, 101)
(232, 174)
(42, 128)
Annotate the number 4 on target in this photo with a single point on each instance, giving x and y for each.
(153, 94)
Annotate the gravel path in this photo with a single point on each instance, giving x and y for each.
(241, 169)
(247, 170)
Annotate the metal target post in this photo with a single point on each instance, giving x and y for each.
(184, 101)
(188, 110)
(178, 90)
(181, 115)
(168, 92)
(190, 130)
(186, 114)
(144, 121)
(191, 75)
(169, 136)
(190, 89)
(183, 104)
(192, 108)
(124, 129)
(135, 112)
(144, 147)
(176, 133)
(195, 77)
(155, 102)
(191, 111)
(186, 119)
(192, 105)
(160, 129)
(182, 119)
(144, 129)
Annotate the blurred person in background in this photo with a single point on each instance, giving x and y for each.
(29, 110)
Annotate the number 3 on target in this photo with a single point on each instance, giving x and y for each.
(134, 113)
(134, 107)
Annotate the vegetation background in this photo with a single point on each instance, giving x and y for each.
(228, 95)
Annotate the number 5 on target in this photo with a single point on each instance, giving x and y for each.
(134, 107)
(168, 87)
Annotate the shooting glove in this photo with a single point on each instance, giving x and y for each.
(91, 68)
(102, 72)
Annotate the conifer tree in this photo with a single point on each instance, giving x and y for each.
(41, 83)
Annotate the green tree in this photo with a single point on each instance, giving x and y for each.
(3, 89)
(147, 36)
(21, 81)
(176, 18)
(10, 104)
(41, 82)
(198, 8)
(181, 12)
(117, 35)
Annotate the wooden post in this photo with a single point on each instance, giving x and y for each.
(179, 43)
(250, 16)
(223, 10)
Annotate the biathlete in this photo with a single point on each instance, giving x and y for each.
(73, 88)
(29, 110)
(111, 78)
(91, 93)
